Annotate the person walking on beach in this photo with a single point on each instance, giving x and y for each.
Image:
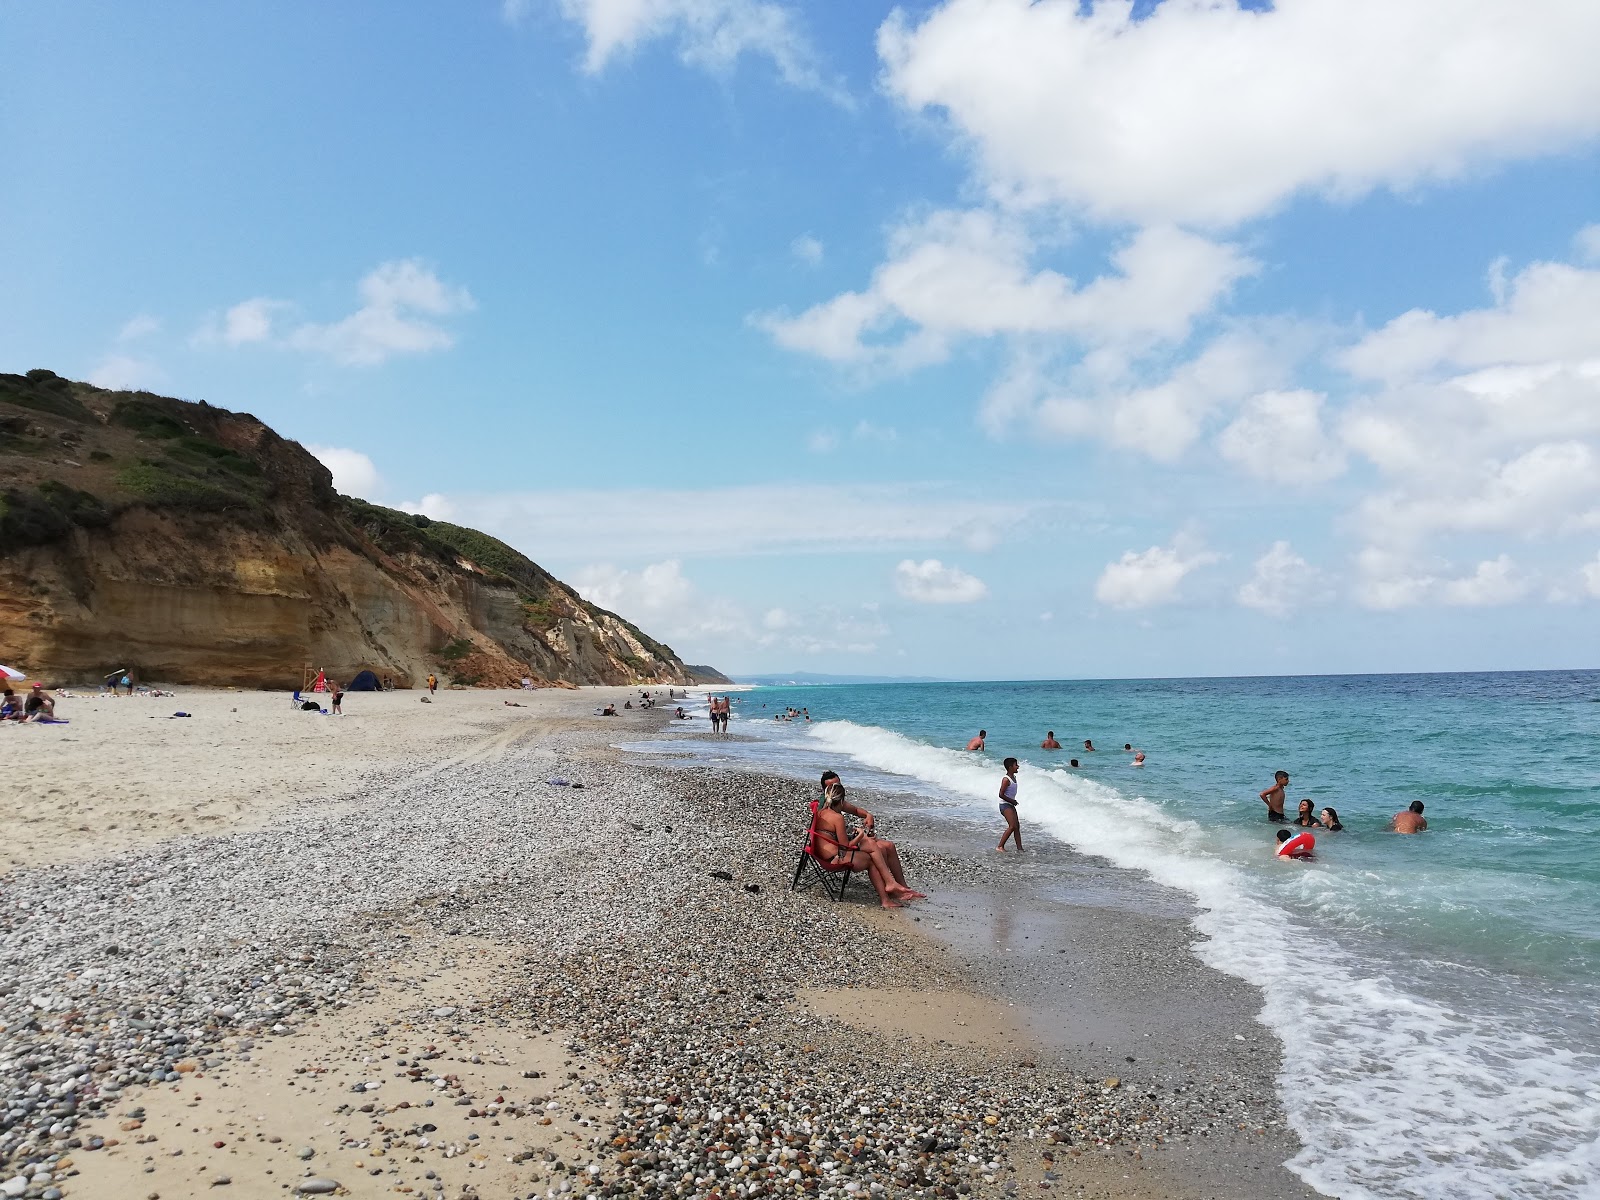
(338, 698)
(1409, 821)
(1050, 742)
(1273, 796)
(977, 742)
(433, 683)
(1008, 806)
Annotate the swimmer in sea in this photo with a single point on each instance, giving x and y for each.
(1128, 747)
(1305, 818)
(1072, 762)
(1050, 742)
(1138, 759)
(1410, 821)
(1302, 850)
(1330, 820)
(1273, 796)
(1088, 745)
(1008, 806)
(977, 742)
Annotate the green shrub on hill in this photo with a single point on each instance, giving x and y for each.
(147, 419)
(44, 391)
(46, 514)
(159, 484)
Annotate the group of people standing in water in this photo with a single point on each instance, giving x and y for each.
(1008, 781)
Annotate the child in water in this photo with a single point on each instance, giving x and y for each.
(1273, 796)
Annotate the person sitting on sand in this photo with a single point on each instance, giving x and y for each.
(609, 710)
(627, 704)
(977, 742)
(873, 844)
(1330, 820)
(1273, 796)
(1050, 742)
(10, 706)
(40, 704)
(1008, 806)
(1305, 818)
(1410, 821)
(1291, 846)
(833, 834)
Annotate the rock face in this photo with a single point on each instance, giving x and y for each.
(194, 545)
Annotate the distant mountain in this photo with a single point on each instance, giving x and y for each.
(192, 544)
(705, 674)
(812, 679)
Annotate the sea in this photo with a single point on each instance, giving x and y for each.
(1438, 996)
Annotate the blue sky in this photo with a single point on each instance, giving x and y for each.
(973, 338)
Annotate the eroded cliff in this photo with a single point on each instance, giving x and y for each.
(195, 545)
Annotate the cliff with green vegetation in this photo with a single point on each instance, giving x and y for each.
(195, 545)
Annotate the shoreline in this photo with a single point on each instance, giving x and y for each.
(349, 926)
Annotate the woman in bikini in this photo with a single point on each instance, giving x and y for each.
(833, 843)
(1008, 806)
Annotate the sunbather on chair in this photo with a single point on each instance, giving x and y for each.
(833, 837)
(871, 842)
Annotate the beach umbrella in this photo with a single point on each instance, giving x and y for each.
(11, 672)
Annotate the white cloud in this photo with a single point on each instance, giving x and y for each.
(399, 300)
(1160, 419)
(1496, 581)
(957, 275)
(931, 582)
(1389, 579)
(141, 326)
(353, 472)
(807, 249)
(124, 372)
(1587, 243)
(662, 600)
(402, 302)
(1591, 577)
(823, 441)
(1147, 578)
(1203, 111)
(756, 519)
(1281, 582)
(1547, 314)
(250, 321)
(1280, 436)
(712, 34)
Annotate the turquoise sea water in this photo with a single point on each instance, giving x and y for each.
(1438, 996)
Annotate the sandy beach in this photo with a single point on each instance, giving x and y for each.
(262, 952)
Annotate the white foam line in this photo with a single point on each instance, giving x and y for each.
(1392, 1094)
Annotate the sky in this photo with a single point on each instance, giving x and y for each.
(974, 338)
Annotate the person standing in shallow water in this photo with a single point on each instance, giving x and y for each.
(977, 742)
(1273, 796)
(1409, 821)
(1008, 806)
(1050, 742)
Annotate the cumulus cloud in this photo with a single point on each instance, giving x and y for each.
(125, 372)
(353, 472)
(1496, 581)
(712, 34)
(1204, 112)
(402, 304)
(1590, 573)
(754, 519)
(1160, 418)
(138, 327)
(1144, 579)
(931, 582)
(1281, 582)
(1280, 436)
(955, 275)
(1388, 579)
(807, 249)
(662, 600)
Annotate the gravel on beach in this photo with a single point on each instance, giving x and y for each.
(671, 986)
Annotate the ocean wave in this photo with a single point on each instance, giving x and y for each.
(1393, 1093)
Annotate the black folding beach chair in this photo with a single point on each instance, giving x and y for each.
(814, 869)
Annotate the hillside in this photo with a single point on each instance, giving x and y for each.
(195, 545)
